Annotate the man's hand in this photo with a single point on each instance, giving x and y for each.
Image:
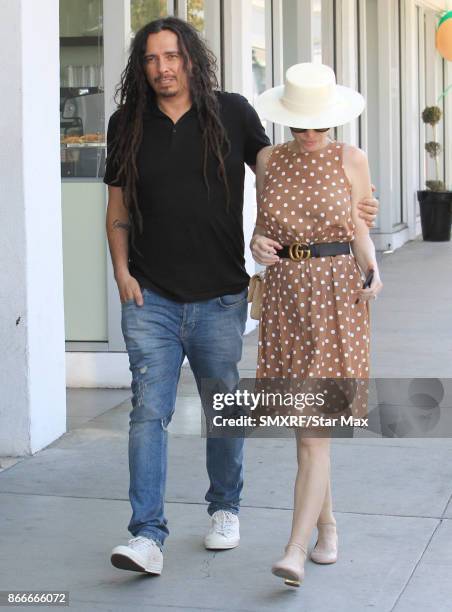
(264, 250)
(368, 208)
(129, 288)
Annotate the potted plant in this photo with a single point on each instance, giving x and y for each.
(435, 202)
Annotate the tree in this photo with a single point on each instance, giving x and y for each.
(431, 115)
(195, 14)
(143, 11)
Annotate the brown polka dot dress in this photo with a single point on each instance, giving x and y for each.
(310, 325)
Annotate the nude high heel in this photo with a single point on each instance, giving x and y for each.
(322, 555)
(289, 568)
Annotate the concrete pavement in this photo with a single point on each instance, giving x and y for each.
(62, 510)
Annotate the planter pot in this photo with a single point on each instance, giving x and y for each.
(436, 214)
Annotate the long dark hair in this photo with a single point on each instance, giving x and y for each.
(132, 96)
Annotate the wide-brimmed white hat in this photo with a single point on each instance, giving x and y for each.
(310, 98)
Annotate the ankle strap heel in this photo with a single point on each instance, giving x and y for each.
(289, 568)
(302, 548)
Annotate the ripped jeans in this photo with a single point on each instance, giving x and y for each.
(158, 335)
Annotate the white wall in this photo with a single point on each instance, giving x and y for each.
(90, 370)
(239, 78)
(32, 376)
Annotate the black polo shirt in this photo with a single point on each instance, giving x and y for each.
(192, 246)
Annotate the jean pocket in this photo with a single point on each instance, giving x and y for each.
(128, 302)
(233, 299)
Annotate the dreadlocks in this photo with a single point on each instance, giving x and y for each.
(132, 97)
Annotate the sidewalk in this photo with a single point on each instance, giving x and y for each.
(62, 510)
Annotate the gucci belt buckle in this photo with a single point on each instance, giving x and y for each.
(299, 251)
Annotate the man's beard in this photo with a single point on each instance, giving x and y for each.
(167, 94)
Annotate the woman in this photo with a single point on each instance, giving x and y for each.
(314, 322)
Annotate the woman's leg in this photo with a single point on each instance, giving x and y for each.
(325, 550)
(326, 514)
(311, 484)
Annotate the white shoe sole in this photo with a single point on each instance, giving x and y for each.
(124, 558)
(221, 545)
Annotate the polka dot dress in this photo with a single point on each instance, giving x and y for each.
(310, 325)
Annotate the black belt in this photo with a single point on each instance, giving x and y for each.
(300, 250)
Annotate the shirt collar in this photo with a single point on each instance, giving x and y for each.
(153, 108)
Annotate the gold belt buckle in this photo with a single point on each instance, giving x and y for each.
(299, 251)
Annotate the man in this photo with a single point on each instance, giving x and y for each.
(176, 155)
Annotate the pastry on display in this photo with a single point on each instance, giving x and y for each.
(86, 138)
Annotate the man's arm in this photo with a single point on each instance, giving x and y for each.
(368, 209)
(262, 248)
(255, 138)
(118, 230)
(118, 227)
(259, 169)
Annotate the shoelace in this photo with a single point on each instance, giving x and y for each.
(141, 543)
(224, 523)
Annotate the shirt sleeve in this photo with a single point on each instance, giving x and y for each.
(111, 168)
(255, 136)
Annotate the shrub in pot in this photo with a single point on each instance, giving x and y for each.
(435, 202)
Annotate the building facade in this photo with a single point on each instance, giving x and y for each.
(62, 82)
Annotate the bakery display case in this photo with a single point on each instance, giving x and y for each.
(82, 114)
(82, 132)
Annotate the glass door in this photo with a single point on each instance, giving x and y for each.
(82, 137)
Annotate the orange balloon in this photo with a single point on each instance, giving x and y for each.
(444, 39)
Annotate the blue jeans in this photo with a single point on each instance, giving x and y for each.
(158, 335)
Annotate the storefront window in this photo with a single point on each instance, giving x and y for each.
(206, 18)
(258, 48)
(317, 31)
(144, 11)
(82, 120)
(195, 14)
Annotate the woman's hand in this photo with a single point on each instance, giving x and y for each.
(264, 250)
(371, 292)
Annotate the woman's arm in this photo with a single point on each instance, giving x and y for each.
(356, 168)
(262, 248)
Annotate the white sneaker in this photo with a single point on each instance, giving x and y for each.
(224, 532)
(140, 555)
